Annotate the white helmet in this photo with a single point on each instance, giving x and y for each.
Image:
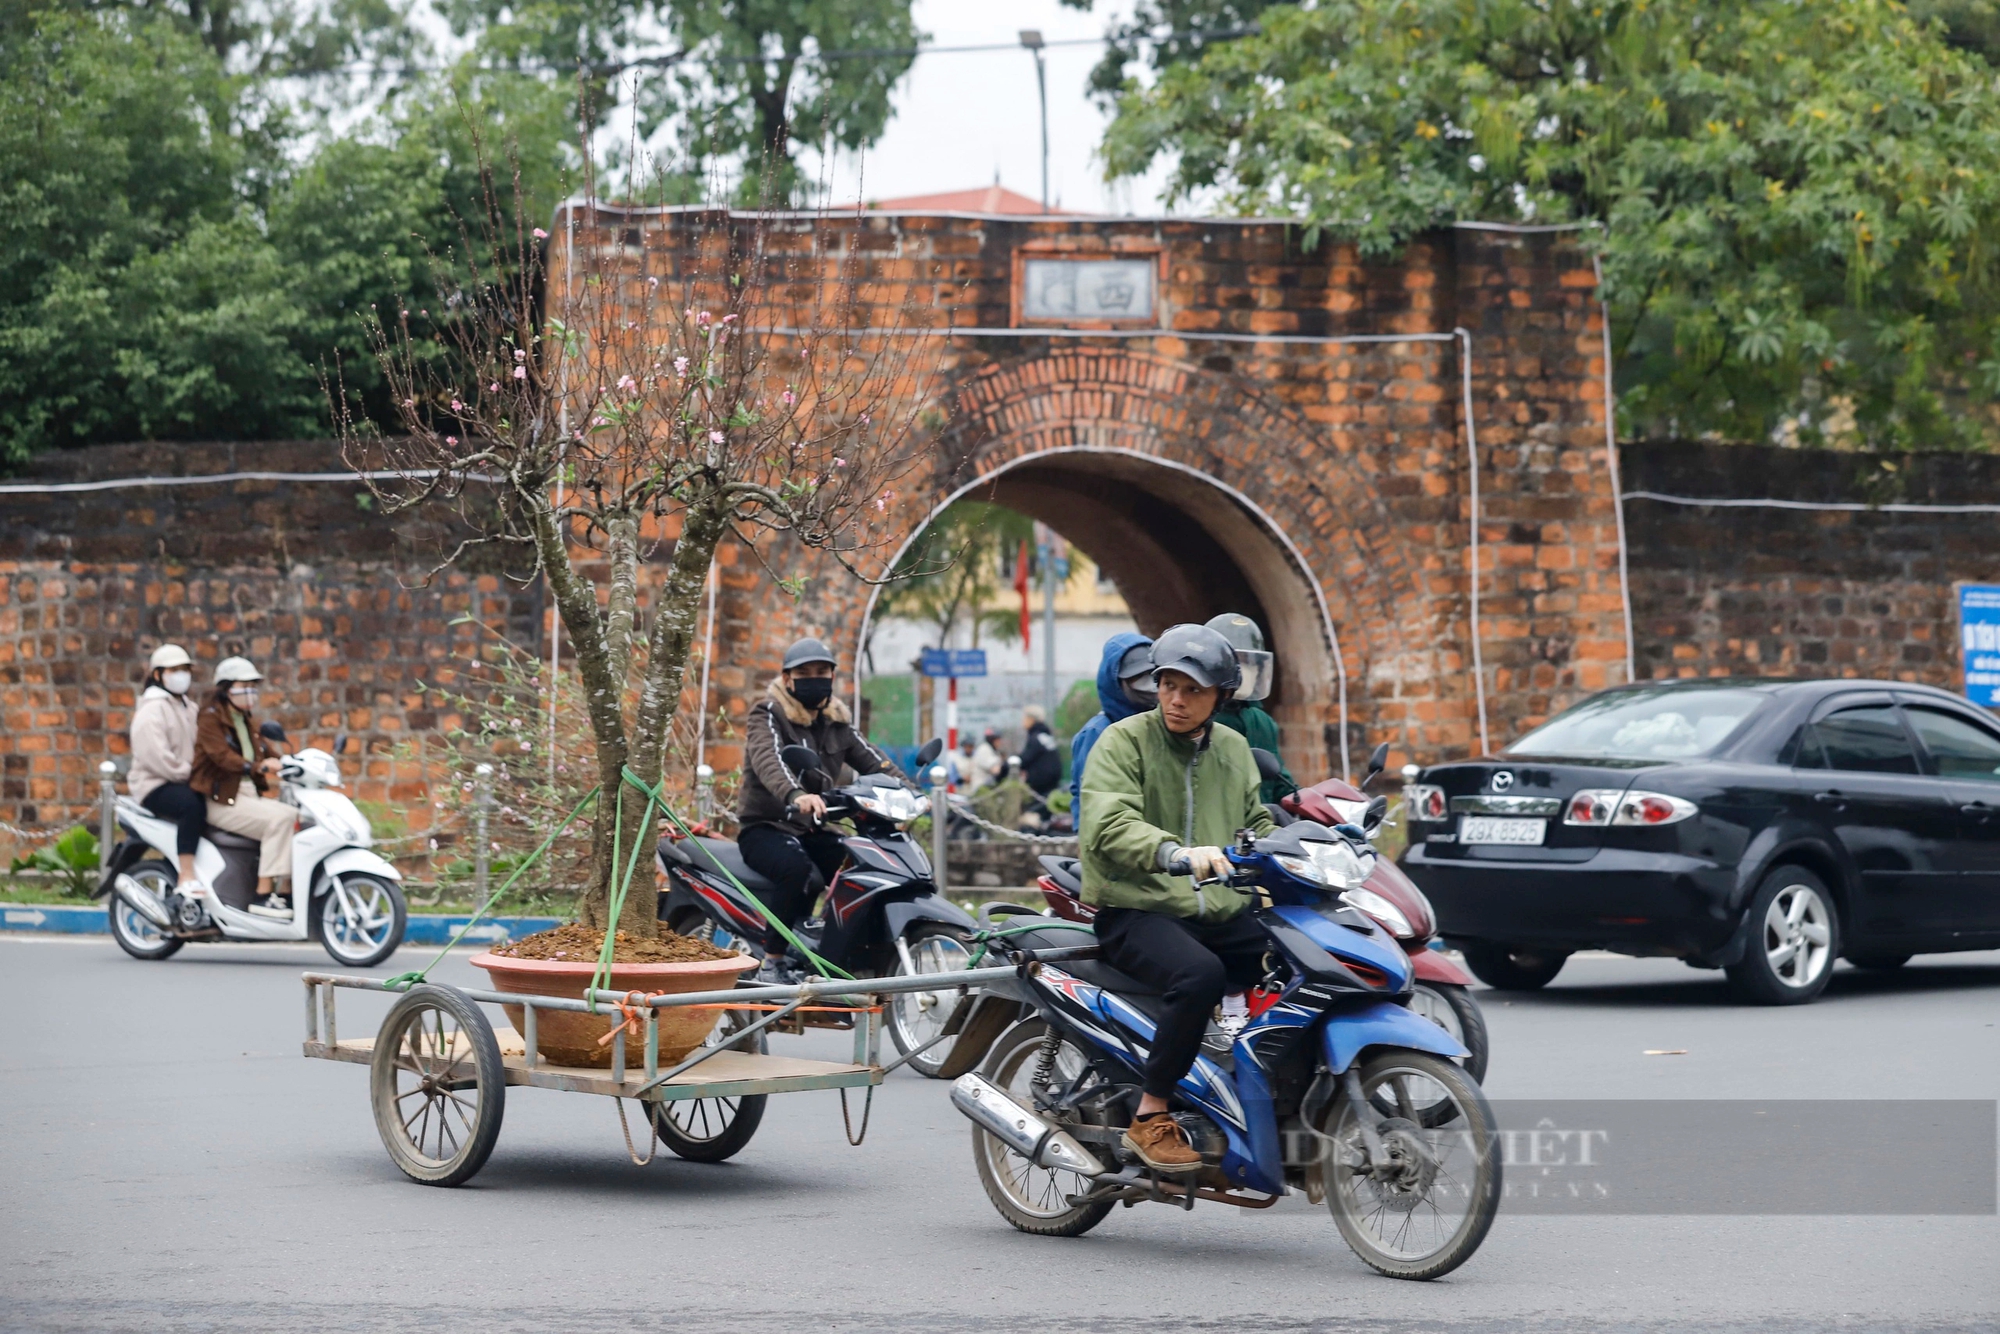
(169, 655)
(236, 669)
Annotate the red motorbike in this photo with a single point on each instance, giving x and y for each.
(1442, 993)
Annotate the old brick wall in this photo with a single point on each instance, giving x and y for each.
(1208, 465)
(1800, 592)
(306, 579)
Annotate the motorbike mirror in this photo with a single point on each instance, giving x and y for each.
(272, 730)
(1371, 820)
(1378, 760)
(1268, 766)
(813, 780)
(339, 743)
(801, 758)
(932, 749)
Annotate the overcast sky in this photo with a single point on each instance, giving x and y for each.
(962, 118)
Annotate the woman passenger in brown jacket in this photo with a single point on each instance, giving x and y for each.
(228, 750)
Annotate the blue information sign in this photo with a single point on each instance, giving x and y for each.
(1979, 637)
(957, 661)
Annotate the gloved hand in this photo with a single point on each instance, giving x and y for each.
(1207, 863)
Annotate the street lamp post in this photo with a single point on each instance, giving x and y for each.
(1031, 38)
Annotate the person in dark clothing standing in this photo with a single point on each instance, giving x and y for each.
(781, 837)
(1041, 762)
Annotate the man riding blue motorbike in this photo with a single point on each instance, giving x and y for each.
(1165, 792)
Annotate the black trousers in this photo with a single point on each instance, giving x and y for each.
(1192, 963)
(788, 859)
(184, 806)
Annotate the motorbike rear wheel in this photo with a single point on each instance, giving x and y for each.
(1033, 1199)
(129, 927)
(917, 1017)
(1429, 1208)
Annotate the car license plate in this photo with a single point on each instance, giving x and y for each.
(1498, 829)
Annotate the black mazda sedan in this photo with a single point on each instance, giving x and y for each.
(1763, 827)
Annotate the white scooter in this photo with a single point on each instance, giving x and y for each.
(343, 895)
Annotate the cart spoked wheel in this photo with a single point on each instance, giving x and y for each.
(437, 1086)
(708, 1130)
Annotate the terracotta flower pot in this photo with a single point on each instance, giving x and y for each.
(566, 1038)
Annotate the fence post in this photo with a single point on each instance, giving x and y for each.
(940, 818)
(704, 792)
(107, 813)
(482, 801)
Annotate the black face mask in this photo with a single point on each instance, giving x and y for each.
(812, 691)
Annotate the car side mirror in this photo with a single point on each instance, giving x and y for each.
(928, 755)
(1378, 760)
(1269, 768)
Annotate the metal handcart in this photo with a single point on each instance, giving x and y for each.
(439, 1073)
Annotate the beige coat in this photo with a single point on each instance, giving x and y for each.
(162, 741)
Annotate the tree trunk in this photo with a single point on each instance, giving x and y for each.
(676, 615)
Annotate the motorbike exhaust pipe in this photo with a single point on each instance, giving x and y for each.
(1021, 1129)
(144, 902)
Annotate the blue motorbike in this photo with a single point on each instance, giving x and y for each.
(1333, 1088)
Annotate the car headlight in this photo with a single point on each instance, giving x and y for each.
(1379, 908)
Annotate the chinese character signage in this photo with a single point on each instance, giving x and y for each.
(1979, 637)
(1088, 289)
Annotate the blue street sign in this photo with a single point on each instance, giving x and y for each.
(954, 662)
(1979, 637)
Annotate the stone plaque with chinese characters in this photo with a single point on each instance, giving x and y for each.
(1088, 289)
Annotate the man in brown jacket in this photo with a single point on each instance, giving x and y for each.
(781, 837)
(228, 749)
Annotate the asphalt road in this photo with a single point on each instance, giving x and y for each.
(170, 1163)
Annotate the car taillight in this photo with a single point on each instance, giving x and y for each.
(1423, 801)
(1610, 806)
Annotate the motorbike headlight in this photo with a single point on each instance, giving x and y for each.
(1379, 908)
(1303, 868)
(873, 805)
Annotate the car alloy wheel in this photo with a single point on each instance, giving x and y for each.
(1798, 936)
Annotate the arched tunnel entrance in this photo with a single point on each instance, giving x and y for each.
(1183, 546)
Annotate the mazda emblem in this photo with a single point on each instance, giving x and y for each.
(1502, 781)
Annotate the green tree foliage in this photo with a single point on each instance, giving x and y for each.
(745, 83)
(173, 275)
(956, 567)
(1797, 197)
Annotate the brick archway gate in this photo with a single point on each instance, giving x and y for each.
(1283, 430)
(1196, 495)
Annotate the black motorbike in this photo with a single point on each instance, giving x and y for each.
(882, 915)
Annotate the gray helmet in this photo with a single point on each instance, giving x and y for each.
(808, 650)
(1135, 674)
(1198, 652)
(1247, 639)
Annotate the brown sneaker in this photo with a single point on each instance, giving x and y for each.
(1160, 1145)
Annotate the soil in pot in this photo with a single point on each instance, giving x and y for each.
(561, 961)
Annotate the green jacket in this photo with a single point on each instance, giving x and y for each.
(1146, 789)
(1260, 729)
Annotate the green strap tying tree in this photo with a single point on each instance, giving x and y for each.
(993, 933)
(408, 980)
(825, 969)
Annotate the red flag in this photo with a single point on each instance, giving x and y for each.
(1021, 587)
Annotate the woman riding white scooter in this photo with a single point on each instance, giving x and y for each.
(228, 749)
(162, 732)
